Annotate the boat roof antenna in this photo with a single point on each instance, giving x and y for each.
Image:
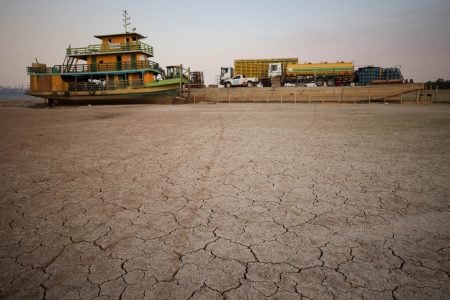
(126, 20)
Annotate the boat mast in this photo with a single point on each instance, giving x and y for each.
(126, 20)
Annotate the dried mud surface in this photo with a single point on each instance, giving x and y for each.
(228, 201)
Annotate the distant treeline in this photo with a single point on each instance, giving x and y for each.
(13, 93)
(441, 84)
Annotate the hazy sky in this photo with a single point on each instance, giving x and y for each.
(208, 34)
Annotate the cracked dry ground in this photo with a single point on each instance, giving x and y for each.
(225, 201)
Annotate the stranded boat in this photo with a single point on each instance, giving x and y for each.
(117, 69)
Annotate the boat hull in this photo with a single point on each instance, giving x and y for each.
(157, 94)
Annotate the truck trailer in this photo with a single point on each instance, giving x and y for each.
(260, 67)
(338, 73)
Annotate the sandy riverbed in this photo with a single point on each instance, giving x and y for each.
(225, 200)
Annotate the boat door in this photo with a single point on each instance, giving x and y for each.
(119, 62)
(94, 64)
(133, 61)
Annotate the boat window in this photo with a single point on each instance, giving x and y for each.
(127, 40)
(109, 41)
(134, 38)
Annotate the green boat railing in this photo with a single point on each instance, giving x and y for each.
(109, 67)
(96, 68)
(108, 48)
(40, 70)
(96, 85)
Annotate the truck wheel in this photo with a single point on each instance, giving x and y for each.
(320, 82)
(330, 82)
(249, 84)
(228, 84)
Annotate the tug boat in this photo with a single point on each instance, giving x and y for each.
(118, 69)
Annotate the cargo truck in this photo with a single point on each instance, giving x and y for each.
(339, 73)
(287, 71)
(331, 74)
(253, 68)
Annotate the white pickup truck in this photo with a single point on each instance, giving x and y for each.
(240, 80)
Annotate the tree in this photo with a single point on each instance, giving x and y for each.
(440, 83)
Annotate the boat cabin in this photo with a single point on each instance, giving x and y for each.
(120, 60)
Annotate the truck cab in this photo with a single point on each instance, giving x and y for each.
(275, 69)
(225, 73)
(275, 75)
